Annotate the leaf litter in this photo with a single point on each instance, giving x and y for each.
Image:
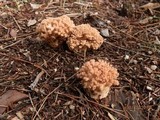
(10, 97)
(132, 45)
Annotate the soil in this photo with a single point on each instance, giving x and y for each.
(132, 46)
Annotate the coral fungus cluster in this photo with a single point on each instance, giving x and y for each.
(55, 30)
(84, 37)
(79, 38)
(97, 77)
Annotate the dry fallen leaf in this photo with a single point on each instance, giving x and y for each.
(31, 22)
(13, 33)
(146, 20)
(35, 6)
(157, 41)
(15, 118)
(10, 97)
(104, 32)
(20, 115)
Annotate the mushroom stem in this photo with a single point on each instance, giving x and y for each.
(85, 52)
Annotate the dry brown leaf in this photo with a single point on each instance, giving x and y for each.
(35, 6)
(10, 97)
(15, 118)
(157, 41)
(13, 33)
(31, 22)
(146, 20)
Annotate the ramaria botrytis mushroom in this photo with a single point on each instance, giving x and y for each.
(97, 77)
(55, 30)
(84, 37)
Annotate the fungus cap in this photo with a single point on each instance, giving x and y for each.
(97, 77)
(55, 30)
(84, 37)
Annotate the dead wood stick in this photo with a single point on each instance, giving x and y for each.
(33, 85)
(17, 23)
(21, 36)
(13, 44)
(34, 106)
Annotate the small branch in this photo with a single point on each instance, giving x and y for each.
(17, 23)
(32, 86)
(33, 105)
(132, 51)
(3, 26)
(95, 103)
(74, 14)
(156, 112)
(88, 4)
(21, 36)
(12, 44)
(48, 4)
(121, 47)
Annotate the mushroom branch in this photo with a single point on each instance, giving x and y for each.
(55, 31)
(84, 37)
(97, 77)
(61, 29)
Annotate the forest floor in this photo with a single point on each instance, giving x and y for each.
(131, 44)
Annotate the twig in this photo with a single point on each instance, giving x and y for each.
(74, 14)
(48, 4)
(44, 100)
(4, 106)
(58, 114)
(3, 26)
(136, 52)
(111, 116)
(124, 110)
(126, 33)
(131, 36)
(13, 44)
(16, 23)
(64, 2)
(32, 86)
(152, 24)
(67, 95)
(33, 105)
(71, 97)
(145, 28)
(88, 4)
(121, 47)
(21, 36)
(156, 112)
